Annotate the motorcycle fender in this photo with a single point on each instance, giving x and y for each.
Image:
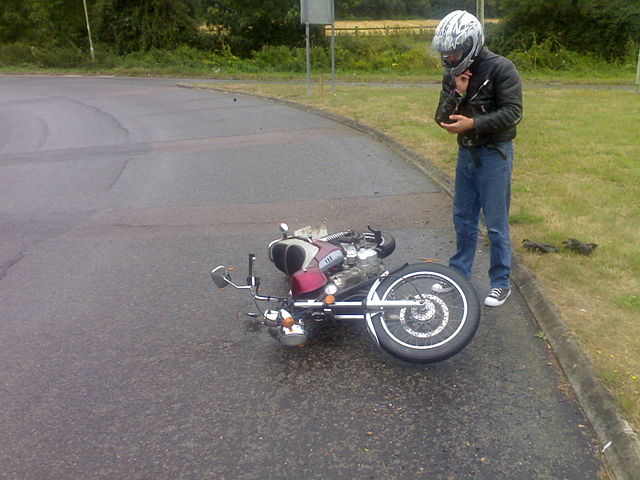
(373, 295)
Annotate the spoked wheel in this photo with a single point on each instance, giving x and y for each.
(434, 331)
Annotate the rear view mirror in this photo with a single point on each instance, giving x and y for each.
(220, 276)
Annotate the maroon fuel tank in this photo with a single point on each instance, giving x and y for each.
(305, 262)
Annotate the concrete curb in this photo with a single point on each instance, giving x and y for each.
(620, 443)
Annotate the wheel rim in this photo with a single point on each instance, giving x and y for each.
(436, 323)
(417, 320)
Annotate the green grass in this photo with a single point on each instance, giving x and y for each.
(577, 174)
(524, 218)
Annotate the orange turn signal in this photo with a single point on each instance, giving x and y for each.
(288, 322)
(329, 299)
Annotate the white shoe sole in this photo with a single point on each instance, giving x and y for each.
(494, 302)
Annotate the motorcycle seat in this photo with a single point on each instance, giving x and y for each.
(292, 254)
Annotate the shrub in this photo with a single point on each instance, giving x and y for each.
(62, 57)
(548, 54)
(45, 57)
(393, 53)
(600, 28)
(15, 54)
(277, 58)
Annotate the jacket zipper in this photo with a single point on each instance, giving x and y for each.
(479, 89)
(484, 84)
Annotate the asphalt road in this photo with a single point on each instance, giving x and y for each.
(119, 360)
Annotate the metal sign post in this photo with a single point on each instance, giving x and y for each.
(86, 16)
(318, 12)
(333, 47)
(638, 73)
(308, 46)
(480, 11)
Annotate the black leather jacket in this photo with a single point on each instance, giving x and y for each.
(493, 100)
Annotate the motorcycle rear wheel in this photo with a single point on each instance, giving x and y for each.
(444, 326)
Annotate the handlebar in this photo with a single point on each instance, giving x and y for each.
(252, 281)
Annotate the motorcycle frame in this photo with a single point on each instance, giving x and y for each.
(370, 306)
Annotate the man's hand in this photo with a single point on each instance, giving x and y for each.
(462, 82)
(461, 124)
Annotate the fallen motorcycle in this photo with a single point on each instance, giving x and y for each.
(420, 313)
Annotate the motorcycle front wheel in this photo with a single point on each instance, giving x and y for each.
(440, 328)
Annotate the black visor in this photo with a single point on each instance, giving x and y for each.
(453, 58)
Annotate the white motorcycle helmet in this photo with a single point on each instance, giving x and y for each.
(458, 40)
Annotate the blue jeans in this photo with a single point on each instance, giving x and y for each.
(486, 187)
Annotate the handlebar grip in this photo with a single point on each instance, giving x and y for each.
(252, 257)
(250, 278)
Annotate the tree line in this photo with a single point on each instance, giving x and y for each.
(607, 28)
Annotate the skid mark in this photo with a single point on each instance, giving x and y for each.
(381, 211)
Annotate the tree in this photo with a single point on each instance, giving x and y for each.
(602, 27)
(138, 25)
(128, 25)
(249, 24)
(14, 20)
(50, 22)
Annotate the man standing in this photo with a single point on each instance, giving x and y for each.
(481, 102)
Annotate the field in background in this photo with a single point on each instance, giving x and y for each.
(383, 27)
(386, 27)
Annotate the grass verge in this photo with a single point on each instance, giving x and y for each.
(577, 174)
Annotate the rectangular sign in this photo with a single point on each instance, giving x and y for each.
(316, 12)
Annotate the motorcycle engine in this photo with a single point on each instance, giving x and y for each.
(360, 264)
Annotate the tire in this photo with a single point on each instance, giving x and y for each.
(432, 333)
(385, 247)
